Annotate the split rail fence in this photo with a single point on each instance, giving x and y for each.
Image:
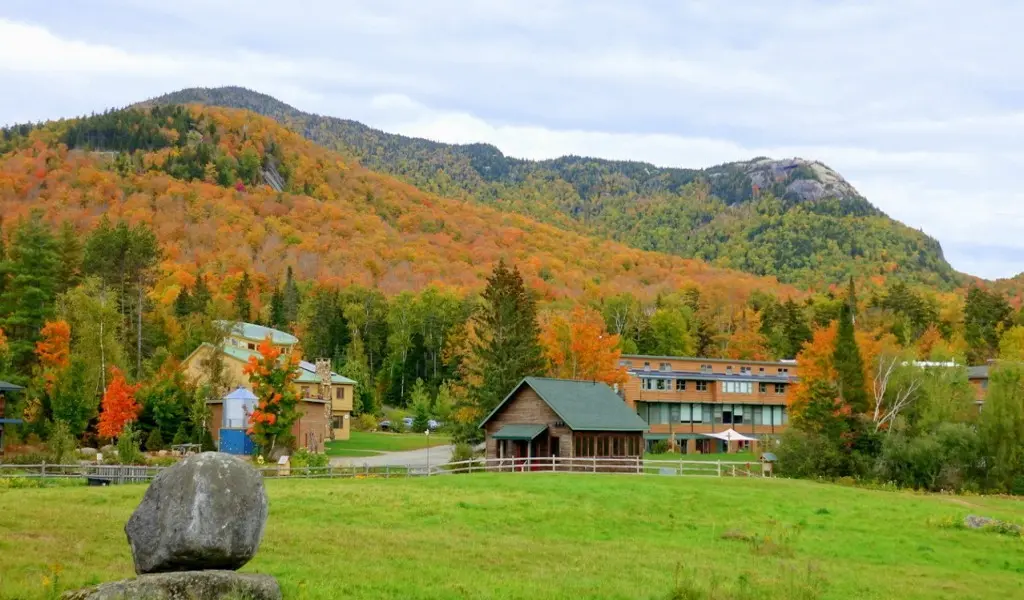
(117, 474)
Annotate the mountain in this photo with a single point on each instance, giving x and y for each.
(228, 191)
(794, 219)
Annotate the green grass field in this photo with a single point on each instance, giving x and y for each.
(369, 444)
(536, 536)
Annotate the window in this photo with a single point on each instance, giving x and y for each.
(762, 388)
(673, 413)
(339, 393)
(728, 370)
(718, 413)
(338, 422)
(626, 363)
(702, 386)
(647, 366)
(665, 367)
(705, 368)
(737, 414)
(761, 370)
(780, 388)
(686, 413)
(708, 412)
(646, 383)
(726, 416)
(305, 391)
(783, 371)
(757, 418)
(737, 387)
(252, 346)
(680, 385)
(744, 370)
(661, 384)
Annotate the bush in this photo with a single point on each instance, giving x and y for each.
(803, 454)
(397, 424)
(62, 445)
(304, 458)
(365, 422)
(180, 436)
(462, 452)
(128, 452)
(29, 458)
(945, 459)
(155, 441)
(660, 447)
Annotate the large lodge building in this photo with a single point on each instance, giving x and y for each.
(688, 398)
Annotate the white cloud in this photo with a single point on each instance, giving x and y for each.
(918, 103)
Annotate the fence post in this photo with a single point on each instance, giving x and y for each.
(680, 464)
(637, 465)
(594, 469)
(42, 472)
(719, 468)
(387, 471)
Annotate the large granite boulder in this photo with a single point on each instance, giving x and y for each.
(187, 585)
(206, 512)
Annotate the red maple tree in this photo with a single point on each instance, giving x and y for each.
(119, 407)
(54, 351)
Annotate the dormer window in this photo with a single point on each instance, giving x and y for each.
(665, 367)
(647, 366)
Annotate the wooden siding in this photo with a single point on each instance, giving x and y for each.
(526, 407)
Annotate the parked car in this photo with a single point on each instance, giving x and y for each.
(407, 421)
(384, 425)
(433, 425)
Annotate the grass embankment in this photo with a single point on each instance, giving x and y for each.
(363, 443)
(557, 536)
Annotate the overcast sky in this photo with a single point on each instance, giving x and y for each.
(918, 103)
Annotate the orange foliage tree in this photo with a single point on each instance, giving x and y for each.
(272, 376)
(53, 351)
(817, 375)
(118, 407)
(579, 347)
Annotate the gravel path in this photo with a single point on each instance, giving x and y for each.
(438, 455)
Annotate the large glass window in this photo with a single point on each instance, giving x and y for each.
(737, 387)
(708, 413)
(673, 413)
(647, 383)
(680, 385)
(737, 414)
(686, 413)
(758, 415)
(718, 413)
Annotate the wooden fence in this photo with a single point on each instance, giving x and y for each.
(107, 474)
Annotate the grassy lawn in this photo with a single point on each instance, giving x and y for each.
(735, 457)
(556, 536)
(368, 444)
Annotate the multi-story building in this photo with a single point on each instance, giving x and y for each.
(317, 397)
(687, 398)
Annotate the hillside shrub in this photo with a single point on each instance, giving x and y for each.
(462, 452)
(660, 447)
(62, 445)
(397, 425)
(304, 458)
(128, 451)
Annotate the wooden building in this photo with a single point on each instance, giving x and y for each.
(559, 417)
(685, 399)
(978, 378)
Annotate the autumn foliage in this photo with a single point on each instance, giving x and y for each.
(272, 376)
(579, 347)
(53, 351)
(119, 406)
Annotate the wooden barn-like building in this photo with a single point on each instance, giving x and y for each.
(544, 417)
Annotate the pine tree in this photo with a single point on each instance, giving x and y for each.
(183, 304)
(69, 246)
(847, 360)
(201, 295)
(508, 348)
(28, 297)
(797, 332)
(277, 313)
(290, 298)
(243, 306)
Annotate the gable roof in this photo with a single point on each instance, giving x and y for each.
(307, 374)
(583, 405)
(979, 372)
(9, 387)
(258, 333)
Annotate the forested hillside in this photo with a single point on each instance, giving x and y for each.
(794, 219)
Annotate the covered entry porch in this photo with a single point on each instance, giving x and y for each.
(518, 443)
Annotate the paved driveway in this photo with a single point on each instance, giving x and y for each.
(419, 459)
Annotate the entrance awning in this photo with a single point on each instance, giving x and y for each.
(731, 435)
(519, 432)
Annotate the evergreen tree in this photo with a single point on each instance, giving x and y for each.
(986, 315)
(201, 295)
(243, 306)
(180, 436)
(28, 297)
(290, 298)
(277, 313)
(797, 331)
(155, 441)
(848, 362)
(69, 270)
(508, 348)
(183, 303)
(1002, 428)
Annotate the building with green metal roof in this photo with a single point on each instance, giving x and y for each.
(544, 417)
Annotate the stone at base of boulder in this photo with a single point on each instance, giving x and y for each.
(185, 585)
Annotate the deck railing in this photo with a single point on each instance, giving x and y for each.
(105, 474)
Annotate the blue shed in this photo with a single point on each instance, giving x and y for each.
(237, 406)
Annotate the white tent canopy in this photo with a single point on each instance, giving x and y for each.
(731, 435)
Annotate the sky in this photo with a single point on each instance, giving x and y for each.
(918, 103)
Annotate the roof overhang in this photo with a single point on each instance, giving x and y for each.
(514, 431)
(9, 387)
(10, 421)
